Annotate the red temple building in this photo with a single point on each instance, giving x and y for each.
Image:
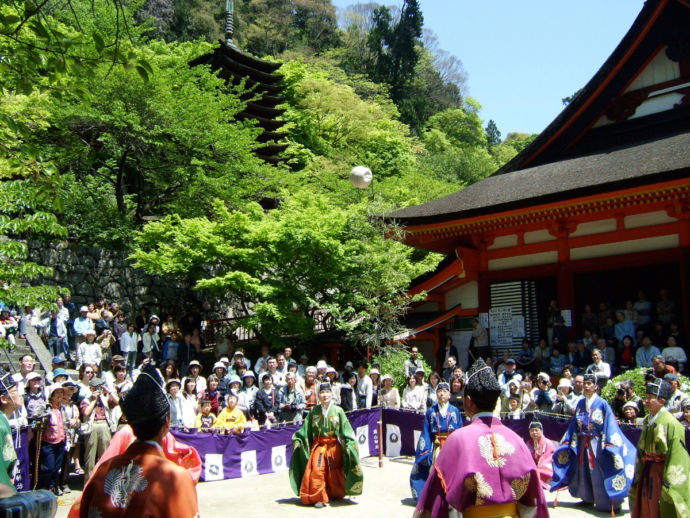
(595, 209)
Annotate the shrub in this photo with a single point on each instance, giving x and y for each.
(392, 361)
(637, 377)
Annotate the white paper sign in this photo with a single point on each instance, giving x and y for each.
(362, 433)
(248, 463)
(279, 458)
(519, 327)
(501, 326)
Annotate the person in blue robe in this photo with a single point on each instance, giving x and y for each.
(440, 421)
(594, 460)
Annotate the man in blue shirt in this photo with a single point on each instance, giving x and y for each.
(646, 353)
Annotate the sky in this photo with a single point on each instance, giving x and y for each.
(522, 58)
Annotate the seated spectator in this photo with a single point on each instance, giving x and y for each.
(659, 334)
(674, 355)
(685, 421)
(231, 419)
(447, 371)
(526, 358)
(128, 346)
(267, 404)
(674, 331)
(608, 330)
(175, 399)
(646, 353)
(390, 397)
(205, 420)
(556, 363)
(625, 393)
(543, 353)
(623, 326)
(414, 396)
(599, 368)
(292, 402)
(212, 394)
(311, 391)
(626, 353)
(590, 320)
(542, 450)
(348, 392)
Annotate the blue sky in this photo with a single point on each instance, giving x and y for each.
(522, 58)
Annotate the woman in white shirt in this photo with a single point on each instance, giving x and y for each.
(190, 402)
(414, 396)
(128, 346)
(389, 395)
(150, 341)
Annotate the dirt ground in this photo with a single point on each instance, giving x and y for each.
(386, 494)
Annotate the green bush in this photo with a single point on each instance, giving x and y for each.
(392, 361)
(637, 377)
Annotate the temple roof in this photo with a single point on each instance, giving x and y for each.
(627, 166)
(602, 140)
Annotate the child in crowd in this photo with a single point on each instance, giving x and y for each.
(212, 394)
(514, 411)
(685, 421)
(52, 443)
(35, 401)
(205, 420)
(231, 419)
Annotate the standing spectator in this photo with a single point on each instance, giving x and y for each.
(35, 400)
(186, 352)
(646, 353)
(446, 352)
(71, 420)
(292, 402)
(190, 403)
(105, 341)
(375, 376)
(10, 400)
(128, 346)
(349, 368)
(175, 400)
(390, 397)
(150, 340)
(71, 314)
(623, 327)
(526, 359)
(333, 379)
(508, 374)
(480, 340)
(581, 358)
(431, 398)
(261, 363)
(82, 325)
(414, 397)
(56, 333)
(348, 392)
(599, 368)
(448, 372)
(89, 351)
(52, 442)
(119, 326)
(272, 369)
(249, 388)
(172, 347)
(365, 388)
(26, 366)
(310, 387)
(267, 401)
(411, 364)
(666, 308)
(95, 411)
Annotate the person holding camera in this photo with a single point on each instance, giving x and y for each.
(625, 393)
(292, 402)
(98, 423)
(566, 400)
(544, 395)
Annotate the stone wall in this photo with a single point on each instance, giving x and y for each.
(90, 272)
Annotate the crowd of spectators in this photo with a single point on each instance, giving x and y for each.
(108, 347)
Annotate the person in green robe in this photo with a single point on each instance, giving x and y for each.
(661, 487)
(325, 461)
(10, 400)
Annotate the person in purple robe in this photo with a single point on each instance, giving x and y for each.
(595, 461)
(484, 468)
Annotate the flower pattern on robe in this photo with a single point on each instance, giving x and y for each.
(503, 449)
(519, 486)
(676, 475)
(598, 417)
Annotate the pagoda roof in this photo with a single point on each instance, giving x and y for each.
(664, 158)
(594, 144)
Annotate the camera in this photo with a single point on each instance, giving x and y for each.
(649, 375)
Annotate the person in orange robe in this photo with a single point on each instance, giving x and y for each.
(142, 482)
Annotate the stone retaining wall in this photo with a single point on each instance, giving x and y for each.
(90, 272)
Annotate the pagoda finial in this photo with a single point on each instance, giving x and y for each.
(229, 23)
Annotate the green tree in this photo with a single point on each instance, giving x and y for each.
(286, 272)
(493, 135)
